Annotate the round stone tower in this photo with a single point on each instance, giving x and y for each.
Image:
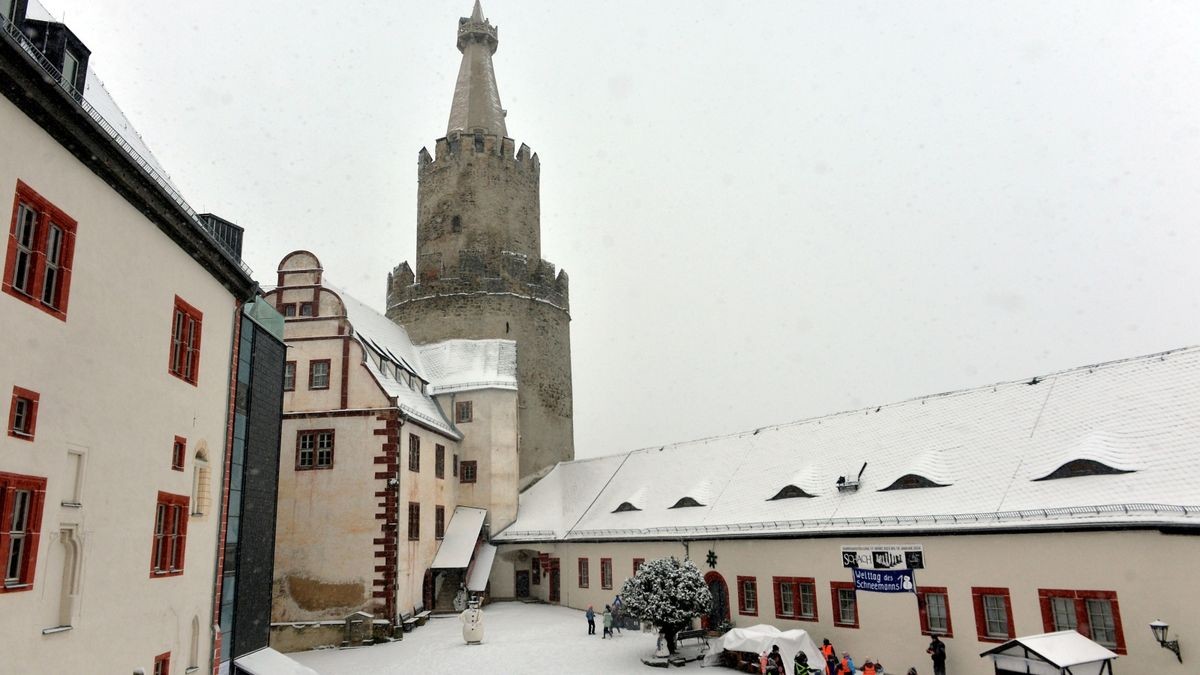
(479, 271)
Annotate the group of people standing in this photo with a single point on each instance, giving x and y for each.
(772, 663)
(611, 619)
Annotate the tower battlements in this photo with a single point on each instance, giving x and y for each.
(466, 147)
(508, 273)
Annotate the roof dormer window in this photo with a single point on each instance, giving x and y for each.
(686, 502)
(70, 70)
(625, 506)
(791, 492)
(1082, 467)
(912, 481)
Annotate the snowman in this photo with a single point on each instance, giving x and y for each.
(472, 620)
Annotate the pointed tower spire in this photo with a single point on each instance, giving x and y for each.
(476, 105)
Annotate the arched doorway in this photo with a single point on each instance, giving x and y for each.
(720, 605)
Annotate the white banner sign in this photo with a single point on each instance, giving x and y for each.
(884, 557)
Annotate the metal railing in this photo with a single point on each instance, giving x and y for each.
(14, 33)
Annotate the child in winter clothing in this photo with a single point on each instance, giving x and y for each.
(847, 664)
(607, 622)
(800, 665)
(591, 617)
(775, 662)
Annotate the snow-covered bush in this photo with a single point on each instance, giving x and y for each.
(667, 593)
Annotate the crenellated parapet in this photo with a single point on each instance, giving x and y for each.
(466, 146)
(477, 273)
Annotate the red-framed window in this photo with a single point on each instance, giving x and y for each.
(439, 522)
(318, 374)
(162, 664)
(288, 310)
(637, 565)
(306, 309)
(41, 248)
(795, 598)
(467, 471)
(22, 414)
(606, 573)
(414, 453)
(178, 452)
(747, 590)
(993, 614)
(845, 604)
(21, 500)
(439, 460)
(455, 465)
(314, 449)
(933, 605)
(186, 326)
(414, 521)
(289, 376)
(583, 573)
(463, 412)
(170, 535)
(1095, 614)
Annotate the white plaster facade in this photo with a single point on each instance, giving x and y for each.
(1146, 569)
(107, 417)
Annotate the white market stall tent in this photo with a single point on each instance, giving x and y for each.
(760, 638)
(1062, 653)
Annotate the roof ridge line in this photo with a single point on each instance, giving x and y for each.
(925, 397)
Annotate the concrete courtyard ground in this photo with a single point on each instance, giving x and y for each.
(518, 638)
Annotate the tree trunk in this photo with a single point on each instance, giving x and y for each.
(669, 632)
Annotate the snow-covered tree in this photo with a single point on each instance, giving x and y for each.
(667, 593)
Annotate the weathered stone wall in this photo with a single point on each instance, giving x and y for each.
(477, 197)
(542, 333)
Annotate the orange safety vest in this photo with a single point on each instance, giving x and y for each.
(869, 669)
(846, 665)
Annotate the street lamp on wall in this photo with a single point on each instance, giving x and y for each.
(1159, 628)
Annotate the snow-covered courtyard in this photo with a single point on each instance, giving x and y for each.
(518, 638)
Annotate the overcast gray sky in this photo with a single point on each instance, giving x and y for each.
(769, 211)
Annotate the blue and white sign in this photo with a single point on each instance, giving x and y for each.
(884, 581)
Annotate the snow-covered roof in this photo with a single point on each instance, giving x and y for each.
(458, 544)
(97, 95)
(394, 362)
(267, 661)
(457, 365)
(481, 571)
(413, 374)
(1011, 455)
(1062, 649)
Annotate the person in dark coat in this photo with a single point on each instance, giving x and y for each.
(775, 661)
(591, 617)
(800, 665)
(937, 652)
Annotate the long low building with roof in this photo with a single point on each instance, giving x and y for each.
(1067, 501)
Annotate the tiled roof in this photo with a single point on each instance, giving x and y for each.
(987, 446)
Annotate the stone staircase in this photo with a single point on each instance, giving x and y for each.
(444, 602)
